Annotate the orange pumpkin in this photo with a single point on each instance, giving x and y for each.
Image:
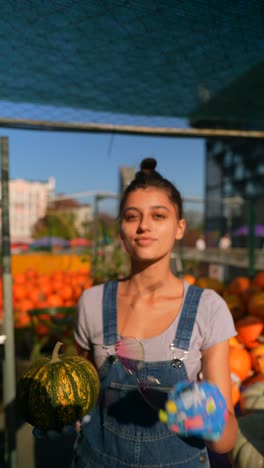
(210, 283)
(233, 341)
(257, 377)
(88, 284)
(69, 303)
(31, 275)
(57, 276)
(54, 300)
(45, 287)
(258, 280)
(239, 362)
(77, 292)
(235, 305)
(19, 278)
(25, 305)
(81, 279)
(256, 305)
(22, 319)
(257, 356)
(56, 286)
(189, 278)
(35, 295)
(41, 325)
(239, 284)
(248, 293)
(66, 292)
(19, 291)
(249, 329)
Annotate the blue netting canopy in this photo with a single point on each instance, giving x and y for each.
(133, 61)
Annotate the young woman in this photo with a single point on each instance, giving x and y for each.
(183, 331)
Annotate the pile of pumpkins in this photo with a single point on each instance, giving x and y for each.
(34, 290)
(245, 299)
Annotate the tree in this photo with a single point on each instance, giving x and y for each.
(55, 224)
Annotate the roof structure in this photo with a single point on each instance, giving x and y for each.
(143, 62)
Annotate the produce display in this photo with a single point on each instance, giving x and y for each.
(245, 299)
(57, 391)
(58, 290)
(34, 290)
(46, 293)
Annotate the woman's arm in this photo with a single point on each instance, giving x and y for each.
(215, 369)
(83, 352)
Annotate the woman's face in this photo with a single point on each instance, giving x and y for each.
(150, 224)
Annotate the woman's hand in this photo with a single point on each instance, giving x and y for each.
(71, 429)
(53, 434)
(196, 409)
(65, 431)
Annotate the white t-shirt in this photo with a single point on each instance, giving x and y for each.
(214, 324)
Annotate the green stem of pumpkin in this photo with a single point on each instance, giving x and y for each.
(55, 352)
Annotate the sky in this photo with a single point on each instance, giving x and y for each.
(82, 162)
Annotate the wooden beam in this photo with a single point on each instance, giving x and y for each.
(94, 127)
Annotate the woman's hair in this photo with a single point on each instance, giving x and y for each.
(146, 177)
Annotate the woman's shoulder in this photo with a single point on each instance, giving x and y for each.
(214, 319)
(93, 290)
(212, 308)
(208, 297)
(94, 294)
(211, 296)
(91, 296)
(212, 304)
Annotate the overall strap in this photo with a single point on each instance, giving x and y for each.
(187, 318)
(109, 312)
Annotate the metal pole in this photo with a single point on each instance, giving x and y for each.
(96, 199)
(9, 379)
(95, 127)
(251, 237)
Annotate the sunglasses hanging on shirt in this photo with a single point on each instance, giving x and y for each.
(130, 352)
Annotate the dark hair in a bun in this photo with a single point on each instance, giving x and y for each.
(147, 169)
(148, 164)
(147, 176)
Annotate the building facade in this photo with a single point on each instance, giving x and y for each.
(234, 187)
(126, 175)
(28, 201)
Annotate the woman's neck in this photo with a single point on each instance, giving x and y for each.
(149, 281)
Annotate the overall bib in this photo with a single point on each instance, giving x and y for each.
(124, 430)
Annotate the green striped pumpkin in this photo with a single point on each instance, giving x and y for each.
(57, 391)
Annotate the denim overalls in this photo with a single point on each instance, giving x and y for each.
(124, 430)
